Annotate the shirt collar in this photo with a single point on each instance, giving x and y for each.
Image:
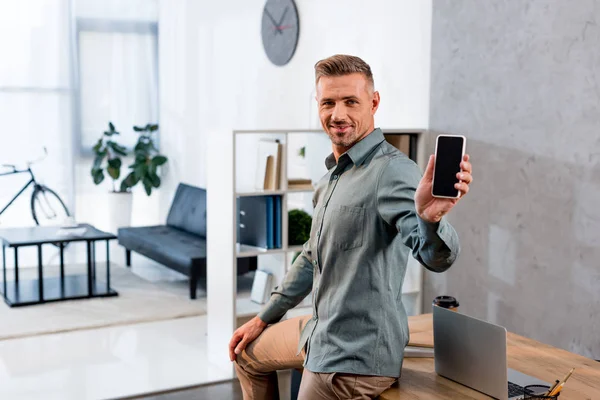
(359, 152)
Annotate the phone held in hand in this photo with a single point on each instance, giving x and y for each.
(449, 152)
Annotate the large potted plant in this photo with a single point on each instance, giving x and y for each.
(147, 160)
(108, 161)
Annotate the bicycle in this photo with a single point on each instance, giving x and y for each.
(46, 205)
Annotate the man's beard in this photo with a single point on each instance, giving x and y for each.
(345, 140)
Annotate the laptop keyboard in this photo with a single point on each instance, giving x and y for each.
(514, 390)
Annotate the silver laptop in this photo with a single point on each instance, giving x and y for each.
(472, 352)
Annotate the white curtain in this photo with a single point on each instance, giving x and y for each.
(118, 79)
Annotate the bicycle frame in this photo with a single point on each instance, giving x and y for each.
(31, 181)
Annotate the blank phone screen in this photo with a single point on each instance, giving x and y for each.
(447, 164)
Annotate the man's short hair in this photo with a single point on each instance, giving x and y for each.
(343, 64)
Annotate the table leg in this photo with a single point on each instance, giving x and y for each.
(89, 267)
(94, 260)
(40, 274)
(4, 269)
(16, 265)
(107, 266)
(62, 262)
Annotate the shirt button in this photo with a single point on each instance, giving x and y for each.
(335, 177)
(315, 262)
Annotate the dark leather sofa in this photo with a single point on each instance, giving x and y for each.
(180, 244)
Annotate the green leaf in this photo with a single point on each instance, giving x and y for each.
(113, 172)
(138, 129)
(98, 176)
(115, 163)
(97, 146)
(97, 162)
(117, 148)
(141, 171)
(130, 181)
(151, 169)
(111, 126)
(153, 128)
(147, 185)
(140, 157)
(159, 160)
(154, 179)
(141, 147)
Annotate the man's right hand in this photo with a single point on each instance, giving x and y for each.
(244, 335)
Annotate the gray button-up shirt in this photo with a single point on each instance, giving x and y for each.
(364, 225)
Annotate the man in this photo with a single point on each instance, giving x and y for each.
(370, 210)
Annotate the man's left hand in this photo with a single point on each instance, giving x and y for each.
(432, 209)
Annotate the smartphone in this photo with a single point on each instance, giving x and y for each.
(449, 152)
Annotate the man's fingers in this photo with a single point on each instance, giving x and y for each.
(465, 166)
(235, 339)
(242, 345)
(465, 177)
(463, 187)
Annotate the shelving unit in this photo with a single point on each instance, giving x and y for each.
(233, 179)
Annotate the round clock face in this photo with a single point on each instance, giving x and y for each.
(280, 30)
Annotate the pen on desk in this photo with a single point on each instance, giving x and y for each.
(552, 388)
(558, 388)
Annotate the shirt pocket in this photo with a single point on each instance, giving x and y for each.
(348, 225)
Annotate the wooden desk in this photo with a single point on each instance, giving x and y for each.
(419, 380)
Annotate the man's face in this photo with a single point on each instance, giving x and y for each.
(347, 105)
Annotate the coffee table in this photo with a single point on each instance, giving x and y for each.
(42, 290)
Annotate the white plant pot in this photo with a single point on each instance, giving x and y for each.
(119, 210)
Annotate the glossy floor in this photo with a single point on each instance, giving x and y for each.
(107, 363)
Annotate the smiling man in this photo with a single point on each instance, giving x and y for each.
(371, 210)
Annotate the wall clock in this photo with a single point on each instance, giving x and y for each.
(280, 30)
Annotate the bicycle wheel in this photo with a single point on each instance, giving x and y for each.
(47, 208)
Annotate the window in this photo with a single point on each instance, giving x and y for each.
(118, 78)
(35, 101)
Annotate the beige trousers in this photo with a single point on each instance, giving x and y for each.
(276, 348)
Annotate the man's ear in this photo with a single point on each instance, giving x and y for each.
(375, 102)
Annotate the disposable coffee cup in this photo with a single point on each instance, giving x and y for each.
(448, 302)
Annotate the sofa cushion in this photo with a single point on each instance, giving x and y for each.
(188, 210)
(169, 246)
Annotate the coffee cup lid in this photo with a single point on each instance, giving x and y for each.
(446, 301)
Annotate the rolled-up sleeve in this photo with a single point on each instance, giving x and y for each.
(296, 285)
(434, 245)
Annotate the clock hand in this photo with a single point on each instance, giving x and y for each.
(275, 24)
(283, 15)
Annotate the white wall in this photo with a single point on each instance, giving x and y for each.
(215, 76)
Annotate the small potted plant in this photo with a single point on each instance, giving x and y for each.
(108, 161)
(147, 160)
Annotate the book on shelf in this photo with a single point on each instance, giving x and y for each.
(268, 169)
(259, 221)
(300, 183)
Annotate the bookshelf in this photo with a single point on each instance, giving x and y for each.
(236, 154)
